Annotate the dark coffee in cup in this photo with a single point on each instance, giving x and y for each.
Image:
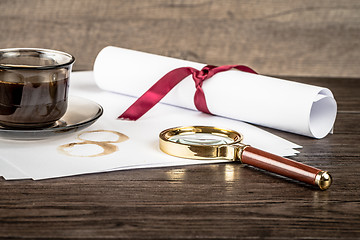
(36, 104)
(33, 87)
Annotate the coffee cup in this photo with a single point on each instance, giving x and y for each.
(34, 86)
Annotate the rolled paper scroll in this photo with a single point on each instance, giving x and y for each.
(271, 102)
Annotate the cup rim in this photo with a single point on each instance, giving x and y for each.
(69, 62)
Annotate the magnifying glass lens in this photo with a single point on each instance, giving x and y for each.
(201, 139)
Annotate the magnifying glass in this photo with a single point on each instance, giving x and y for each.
(206, 143)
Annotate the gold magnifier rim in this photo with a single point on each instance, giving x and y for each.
(200, 152)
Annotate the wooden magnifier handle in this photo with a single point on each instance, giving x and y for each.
(285, 167)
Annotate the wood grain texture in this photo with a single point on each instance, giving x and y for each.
(215, 201)
(277, 37)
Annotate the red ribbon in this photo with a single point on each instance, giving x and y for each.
(152, 96)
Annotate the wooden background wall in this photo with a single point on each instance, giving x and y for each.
(275, 37)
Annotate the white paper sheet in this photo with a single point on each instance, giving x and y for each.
(41, 159)
(10, 172)
(286, 105)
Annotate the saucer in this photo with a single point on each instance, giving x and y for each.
(81, 113)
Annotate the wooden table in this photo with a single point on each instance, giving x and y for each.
(213, 201)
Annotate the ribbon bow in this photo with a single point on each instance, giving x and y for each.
(164, 85)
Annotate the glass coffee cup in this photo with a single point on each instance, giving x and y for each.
(34, 87)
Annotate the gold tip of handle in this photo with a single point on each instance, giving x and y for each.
(323, 180)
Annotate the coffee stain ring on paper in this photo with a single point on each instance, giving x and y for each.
(107, 146)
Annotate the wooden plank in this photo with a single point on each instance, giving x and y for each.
(214, 201)
(297, 38)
